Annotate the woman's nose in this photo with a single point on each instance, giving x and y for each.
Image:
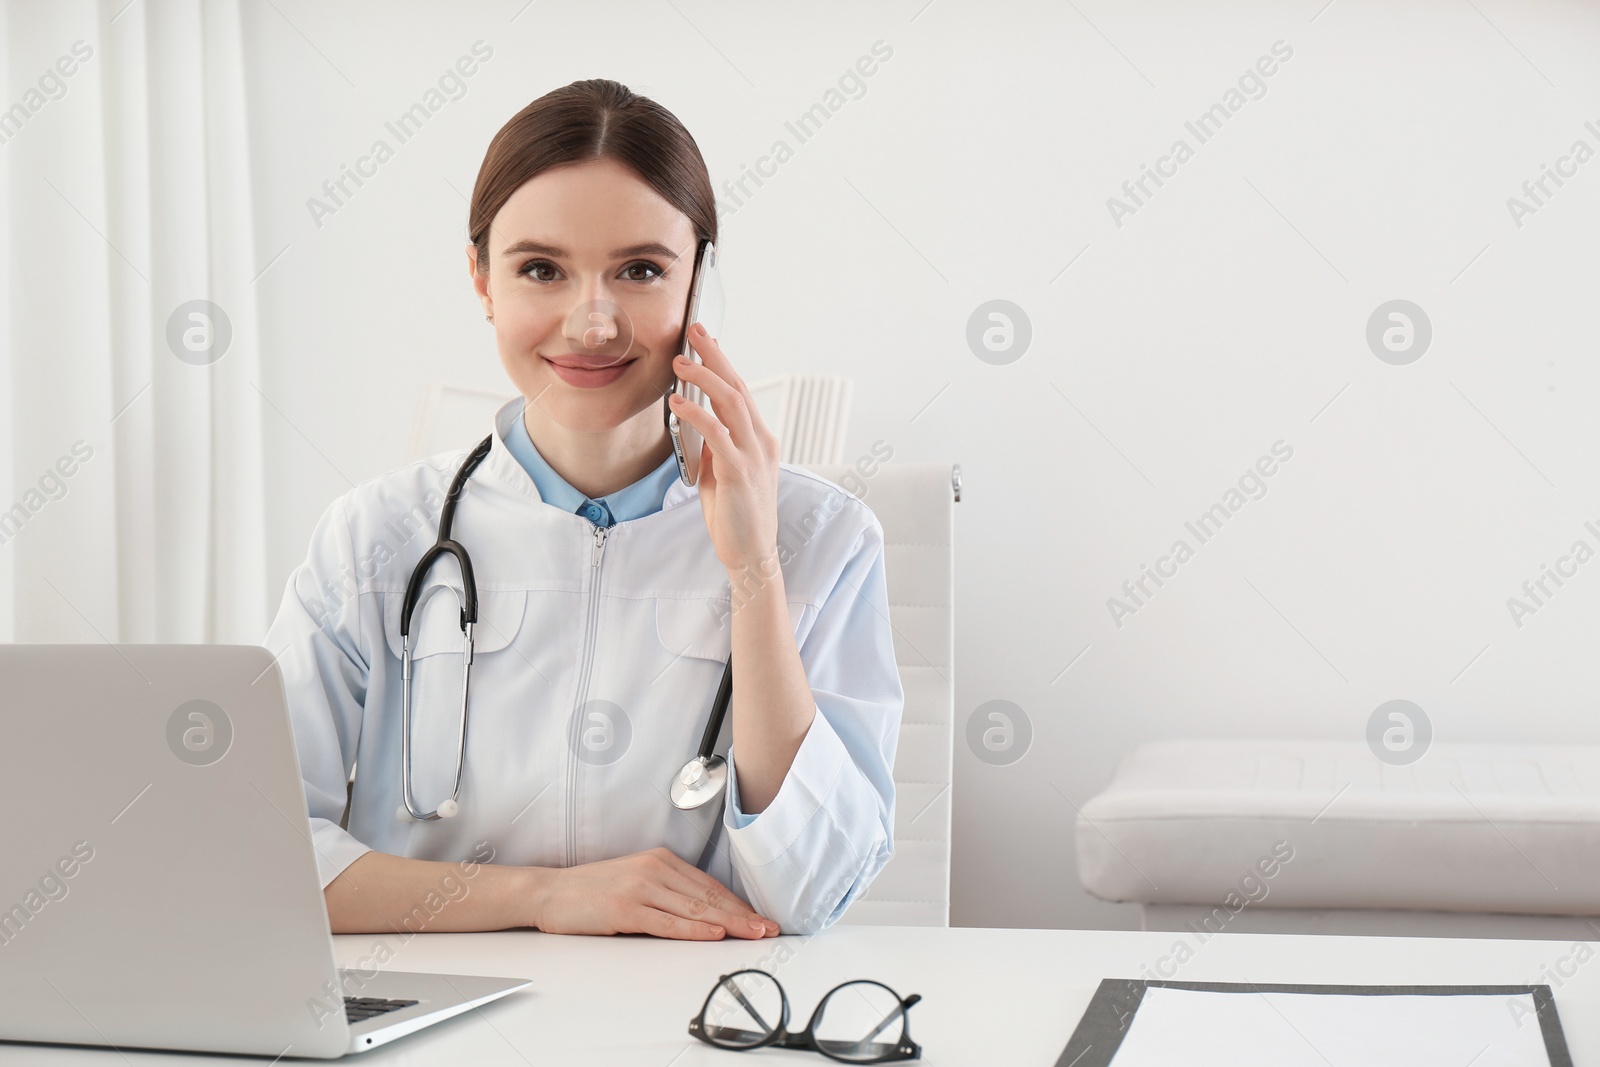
(597, 328)
(598, 323)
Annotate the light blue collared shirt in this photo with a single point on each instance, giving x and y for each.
(643, 497)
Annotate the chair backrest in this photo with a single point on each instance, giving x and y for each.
(808, 414)
(451, 416)
(915, 504)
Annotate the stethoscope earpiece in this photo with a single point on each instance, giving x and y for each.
(448, 809)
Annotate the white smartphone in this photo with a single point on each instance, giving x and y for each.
(705, 306)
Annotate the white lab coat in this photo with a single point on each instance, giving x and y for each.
(631, 628)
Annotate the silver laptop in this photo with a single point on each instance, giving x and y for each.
(158, 887)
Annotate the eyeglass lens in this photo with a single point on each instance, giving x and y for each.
(743, 1009)
(861, 1022)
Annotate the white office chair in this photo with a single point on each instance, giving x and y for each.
(808, 413)
(915, 504)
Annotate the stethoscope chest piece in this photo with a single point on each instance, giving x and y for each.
(700, 782)
(703, 778)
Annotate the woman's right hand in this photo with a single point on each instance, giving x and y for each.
(651, 892)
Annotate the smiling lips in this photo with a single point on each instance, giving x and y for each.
(588, 372)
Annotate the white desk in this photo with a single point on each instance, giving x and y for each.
(1007, 997)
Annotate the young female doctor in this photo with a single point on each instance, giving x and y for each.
(610, 596)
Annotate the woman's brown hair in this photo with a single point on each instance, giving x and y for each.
(593, 119)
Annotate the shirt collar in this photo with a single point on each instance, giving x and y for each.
(646, 496)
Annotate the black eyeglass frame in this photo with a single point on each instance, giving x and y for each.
(806, 1040)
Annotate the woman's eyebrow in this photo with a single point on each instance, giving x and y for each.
(649, 248)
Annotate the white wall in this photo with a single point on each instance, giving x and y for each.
(1227, 313)
(8, 624)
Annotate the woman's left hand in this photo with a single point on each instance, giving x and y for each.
(739, 461)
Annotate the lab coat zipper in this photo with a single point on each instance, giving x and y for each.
(584, 667)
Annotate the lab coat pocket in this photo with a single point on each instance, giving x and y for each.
(436, 620)
(699, 627)
(437, 676)
(702, 627)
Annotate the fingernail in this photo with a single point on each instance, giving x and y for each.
(759, 928)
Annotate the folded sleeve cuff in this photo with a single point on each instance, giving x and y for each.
(815, 771)
(335, 849)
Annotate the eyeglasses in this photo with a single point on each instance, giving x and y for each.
(846, 1026)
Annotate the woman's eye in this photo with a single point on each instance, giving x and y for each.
(629, 270)
(533, 268)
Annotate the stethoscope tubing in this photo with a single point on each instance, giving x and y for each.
(702, 779)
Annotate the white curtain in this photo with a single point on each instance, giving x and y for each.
(131, 474)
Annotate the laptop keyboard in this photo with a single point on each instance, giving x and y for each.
(358, 1008)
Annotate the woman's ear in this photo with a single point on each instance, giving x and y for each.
(480, 282)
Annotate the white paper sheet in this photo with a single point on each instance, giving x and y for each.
(1198, 1028)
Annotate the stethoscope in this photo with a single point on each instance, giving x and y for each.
(702, 778)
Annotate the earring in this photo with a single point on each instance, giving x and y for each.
(488, 318)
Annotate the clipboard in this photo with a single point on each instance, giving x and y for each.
(1111, 1012)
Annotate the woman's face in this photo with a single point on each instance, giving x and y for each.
(588, 280)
